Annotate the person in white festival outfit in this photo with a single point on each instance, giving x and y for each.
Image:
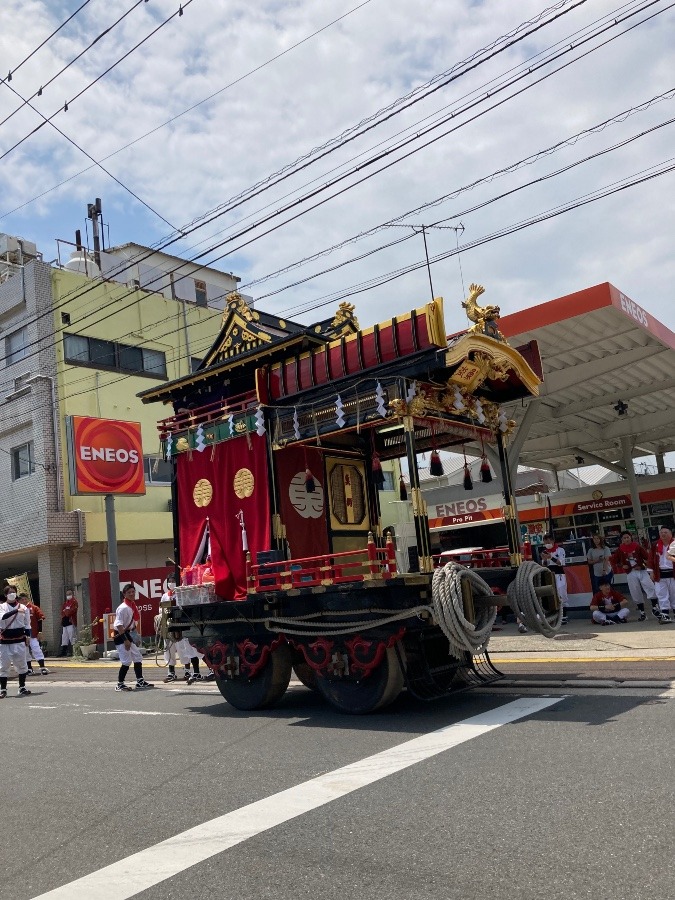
(128, 651)
(661, 568)
(177, 645)
(553, 557)
(14, 635)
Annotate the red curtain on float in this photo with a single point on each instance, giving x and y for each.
(303, 513)
(219, 488)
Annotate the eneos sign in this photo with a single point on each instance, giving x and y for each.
(105, 456)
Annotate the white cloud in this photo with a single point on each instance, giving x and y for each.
(314, 92)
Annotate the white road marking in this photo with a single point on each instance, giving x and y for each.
(140, 871)
(131, 712)
(668, 694)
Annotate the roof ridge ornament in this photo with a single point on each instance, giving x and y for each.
(484, 317)
(344, 321)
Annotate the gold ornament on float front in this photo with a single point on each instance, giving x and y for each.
(202, 493)
(243, 483)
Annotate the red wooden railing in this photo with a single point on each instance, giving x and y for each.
(331, 568)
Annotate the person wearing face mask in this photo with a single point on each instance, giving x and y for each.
(662, 571)
(633, 559)
(33, 648)
(553, 557)
(68, 623)
(14, 635)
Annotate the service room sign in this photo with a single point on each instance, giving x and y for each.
(105, 456)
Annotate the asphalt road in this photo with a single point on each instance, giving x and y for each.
(567, 802)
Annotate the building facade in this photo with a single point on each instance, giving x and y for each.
(73, 342)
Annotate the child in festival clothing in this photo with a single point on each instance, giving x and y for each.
(553, 557)
(33, 648)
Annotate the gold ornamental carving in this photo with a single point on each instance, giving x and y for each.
(345, 320)
(484, 317)
(202, 493)
(243, 483)
(182, 444)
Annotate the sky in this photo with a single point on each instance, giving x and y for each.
(251, 88)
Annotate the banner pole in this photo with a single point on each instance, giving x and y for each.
(113, 561)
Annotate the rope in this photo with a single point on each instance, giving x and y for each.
(347, 628)
(446, 591)
(524, 602)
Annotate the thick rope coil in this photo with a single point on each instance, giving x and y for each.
(525, 603)
(446, 590)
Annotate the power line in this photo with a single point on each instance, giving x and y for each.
(16, 68)
(69, 103)
(79, 293)
(145, 255)
(79, 56)
(513, 167)
(89, 156)
(190, 108)
(377, 281)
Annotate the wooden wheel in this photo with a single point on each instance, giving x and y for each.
(266, 689)
(304, 672)
(378, 690)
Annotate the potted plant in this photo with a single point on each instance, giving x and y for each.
(85, 645)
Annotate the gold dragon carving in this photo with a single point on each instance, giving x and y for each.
(485, 318)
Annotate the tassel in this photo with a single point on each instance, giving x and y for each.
(402, 489)
(435, 464)
(378, 474)
(485, 471)
(310, 484)
(468, 483)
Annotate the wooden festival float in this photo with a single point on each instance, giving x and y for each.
(277, 442)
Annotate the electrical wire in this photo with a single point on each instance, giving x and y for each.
(182, 265)
(40, 91)
(69, 103)
(89, 156)
(278, 212)
(190, 108)
(16, 68)
(618, 186)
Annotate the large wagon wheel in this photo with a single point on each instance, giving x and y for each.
(266, 689)
(303, 671)
(379, 689)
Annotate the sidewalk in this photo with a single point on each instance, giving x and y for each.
(581, 639)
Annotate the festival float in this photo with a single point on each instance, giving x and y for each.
(277, 443)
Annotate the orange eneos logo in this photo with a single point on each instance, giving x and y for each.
(105, 456)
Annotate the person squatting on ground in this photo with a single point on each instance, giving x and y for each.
(661, 568)
(33, 648)
(178, 646)
(608, 606)
(128, 651)
(553, 557)
(68, 623)
(632, 558)
(14, 635)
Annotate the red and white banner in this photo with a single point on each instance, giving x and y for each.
(227, 486)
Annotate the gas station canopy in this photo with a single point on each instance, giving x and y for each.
(609, 382)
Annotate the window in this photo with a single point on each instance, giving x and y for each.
(22, 461)
(388, 480)
(200, 292)
(89, 351)
(154, 362)
(157, 470)
(195, 363)
(16, 346)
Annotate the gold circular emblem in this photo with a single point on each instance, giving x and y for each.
(202, 493)
(597, 495)
(243, 483)
(182, 444)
